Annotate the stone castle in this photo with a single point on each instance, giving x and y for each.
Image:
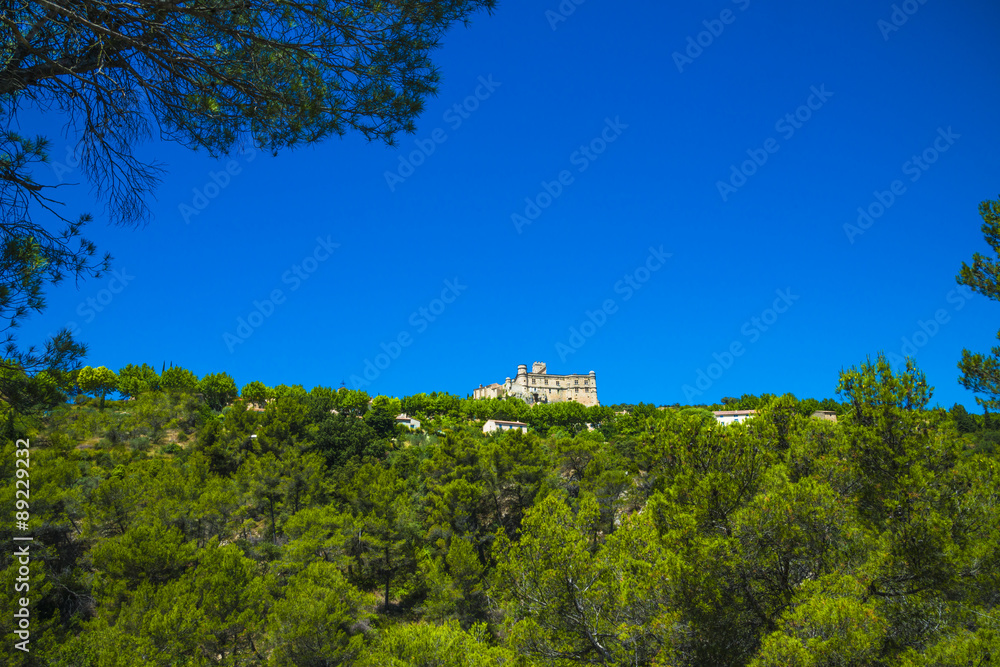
(539, 386)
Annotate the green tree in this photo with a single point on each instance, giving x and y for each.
(301, 480)
(456, 501)
(318, 620)
(565, 602)
(341, 437)
(319, 403)
(263, 478)
(319, 533)
(883, 425)
(387, 403)
(98, 381)
(382, 418)
(832, 625)
(417, 404)
(23, 394)
(964, 422)
(134, 380)
(229, 593)
(295, 391)
(160, 626)
(279, 487)
(284, 425)
(928, 556)
(981, 372)
(255, 392)
(31, 255)
(426, 645)
(384, 539)
(283, 73)
(145, 552)
(176, 377)
(959, 648)
(352, 401)
(219, 389)
(514, 468)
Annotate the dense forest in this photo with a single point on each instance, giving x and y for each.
(176, 523)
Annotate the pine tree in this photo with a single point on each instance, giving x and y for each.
(981, 372)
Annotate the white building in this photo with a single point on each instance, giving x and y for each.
(494, 425)
(727, 417)
(408, 421)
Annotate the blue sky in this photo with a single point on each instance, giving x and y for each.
(565, 156)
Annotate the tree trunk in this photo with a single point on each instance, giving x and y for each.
(388, 577)
(274, 531)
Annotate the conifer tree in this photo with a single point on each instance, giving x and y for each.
(981, 372)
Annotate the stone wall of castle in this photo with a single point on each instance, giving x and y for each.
(539, 386)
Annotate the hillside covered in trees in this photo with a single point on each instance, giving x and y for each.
(167, 519)
(184, 526)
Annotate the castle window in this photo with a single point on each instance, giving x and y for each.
(546, 380)
(576, 391)
(557, 383)
(576, 382)
(585, 382)
(534, 380)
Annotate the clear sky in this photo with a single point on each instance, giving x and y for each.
(652, 176)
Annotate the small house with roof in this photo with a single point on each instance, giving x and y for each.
(494, 425)
(407, 421)
(727, 417)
